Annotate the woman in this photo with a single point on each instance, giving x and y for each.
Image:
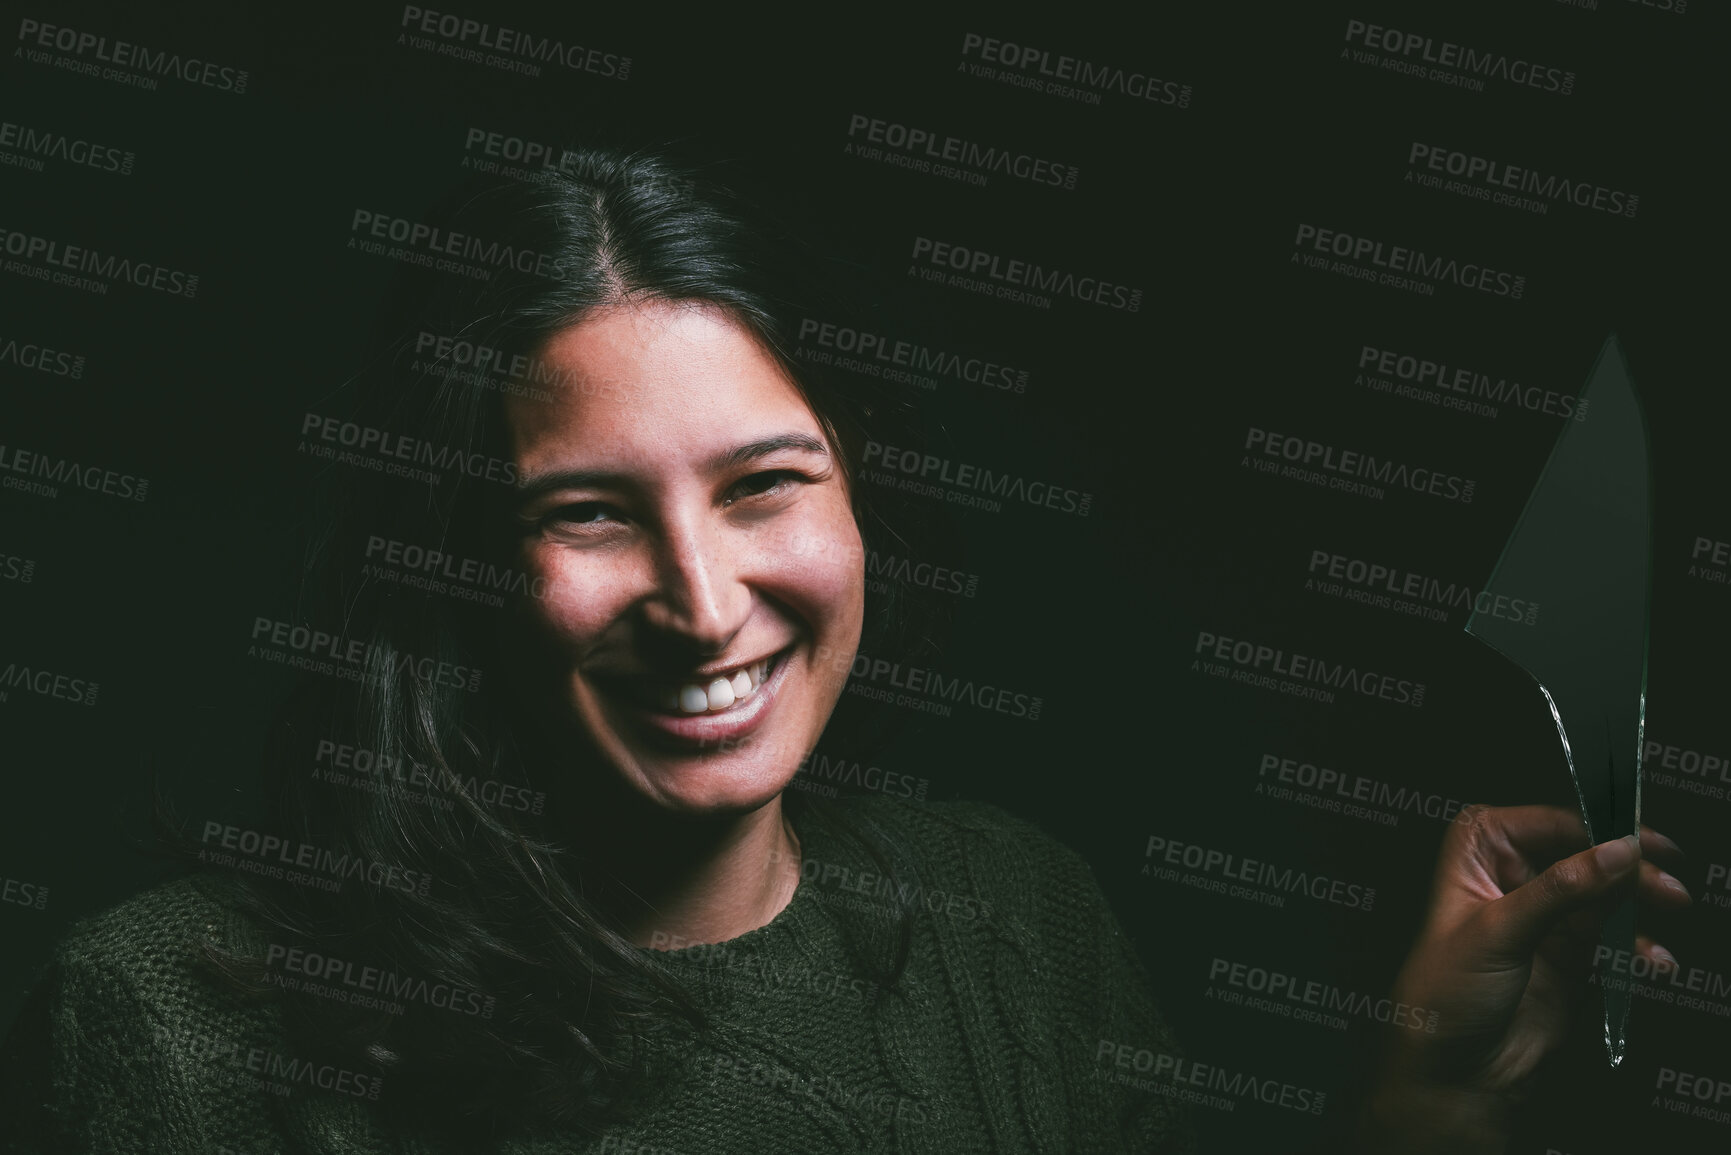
(597, 919)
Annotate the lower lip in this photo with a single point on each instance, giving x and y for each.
(734, 722)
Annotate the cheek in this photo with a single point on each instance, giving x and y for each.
(581, 593)
(822, 569)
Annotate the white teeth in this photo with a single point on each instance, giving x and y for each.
(716, 693)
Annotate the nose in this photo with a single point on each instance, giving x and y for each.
(700, 595)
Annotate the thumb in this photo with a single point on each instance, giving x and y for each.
(1526, 914)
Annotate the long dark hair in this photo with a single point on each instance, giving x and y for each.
(560, 1001)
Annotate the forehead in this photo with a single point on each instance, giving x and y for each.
(653, 381)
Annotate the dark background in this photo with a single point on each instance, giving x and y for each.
(1197, 206)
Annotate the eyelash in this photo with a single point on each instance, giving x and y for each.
(778, 476)
(775, 477)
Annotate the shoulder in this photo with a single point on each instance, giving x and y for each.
(131, 1033)
(159, 934)
(146, 969)
(204, 902)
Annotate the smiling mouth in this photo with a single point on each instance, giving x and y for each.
(721, 691)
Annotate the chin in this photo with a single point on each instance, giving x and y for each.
(731, 777)
(716, 787)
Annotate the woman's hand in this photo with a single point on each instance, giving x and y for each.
(1504, 961)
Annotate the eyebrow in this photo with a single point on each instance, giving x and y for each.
(531, 486)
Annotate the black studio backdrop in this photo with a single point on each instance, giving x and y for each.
(1188, 174)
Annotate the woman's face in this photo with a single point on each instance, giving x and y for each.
(686, 513)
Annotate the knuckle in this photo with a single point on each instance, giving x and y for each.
(1473, 814)
(1565, 878)
(1470, 823)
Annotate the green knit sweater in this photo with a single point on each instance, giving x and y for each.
(1018, 981)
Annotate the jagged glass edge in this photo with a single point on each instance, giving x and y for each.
(1616, 1037)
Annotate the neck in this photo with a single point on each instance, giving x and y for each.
(707, 882)
(670, 880)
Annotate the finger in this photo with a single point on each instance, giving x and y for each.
(1576, 964)
(1660, 849)
(1495, 849)
(1547, 831)
(1511, 844)
(1540, 834)
(1516, 922)
(1570, 948)
(1661, 888)
(1662, 959)
(1554, 831)
(1585, 923)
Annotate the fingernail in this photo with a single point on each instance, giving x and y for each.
(1617, 854)
(1670, 883)
(1664, 959)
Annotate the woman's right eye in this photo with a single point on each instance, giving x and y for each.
(585, 516)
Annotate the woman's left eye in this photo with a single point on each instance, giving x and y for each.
(762, 484)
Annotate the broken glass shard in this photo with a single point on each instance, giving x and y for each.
(1578, 566)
